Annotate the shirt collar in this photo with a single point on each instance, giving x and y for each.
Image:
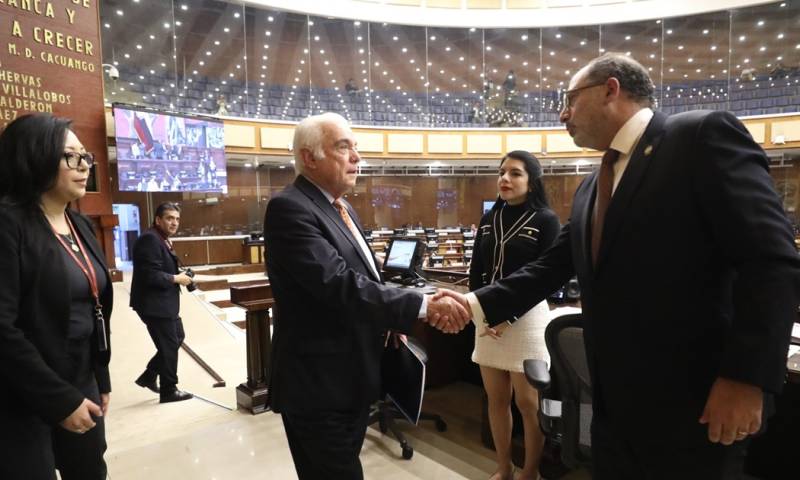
(628, 136)
(328, 196)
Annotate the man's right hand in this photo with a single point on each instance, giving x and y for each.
(447, 314)
(182, 279)
(80, 421)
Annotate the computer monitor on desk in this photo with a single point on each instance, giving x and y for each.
(403, 259)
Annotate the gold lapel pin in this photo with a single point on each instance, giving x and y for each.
(648, 150)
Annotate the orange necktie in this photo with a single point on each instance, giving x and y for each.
(605, 184)
(339, 206)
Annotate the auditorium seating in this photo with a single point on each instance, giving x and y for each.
(760, 96)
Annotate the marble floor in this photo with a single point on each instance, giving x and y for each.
(207, 438)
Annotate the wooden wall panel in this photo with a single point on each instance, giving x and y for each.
(405, 143)
(445, 143)
(240, 136)
(225, 251)
(192, 252)
(370, 142)
(561, 142)
(790, 130)
(443, 3)
(489, 144)
(529, 143)
(560, 189)
(277, 137)
(758, 131)
(484, 4)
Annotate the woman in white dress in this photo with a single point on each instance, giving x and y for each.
(517, 230)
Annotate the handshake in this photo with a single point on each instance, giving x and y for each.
(448, 311)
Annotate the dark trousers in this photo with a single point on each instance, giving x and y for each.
(616, 456)
(33, 450)
(326, 445)
(167, 335)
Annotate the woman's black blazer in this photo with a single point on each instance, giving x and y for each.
(34, 316)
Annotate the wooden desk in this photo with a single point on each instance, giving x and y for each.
(209, 250)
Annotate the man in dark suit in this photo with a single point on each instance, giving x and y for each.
(688, 275)
(332, 309)
(154, 295)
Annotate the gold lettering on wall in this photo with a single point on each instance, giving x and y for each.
(44, 36)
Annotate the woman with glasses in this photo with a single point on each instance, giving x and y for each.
(55, 304)
(517, 230)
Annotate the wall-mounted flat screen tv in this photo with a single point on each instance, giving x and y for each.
(167, 152)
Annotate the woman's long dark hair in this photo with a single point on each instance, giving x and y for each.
(31, 149)
(537, 197)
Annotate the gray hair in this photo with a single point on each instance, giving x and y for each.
(632, 76)
(308, 134)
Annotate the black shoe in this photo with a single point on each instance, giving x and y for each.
(175, 396)
(145, 382)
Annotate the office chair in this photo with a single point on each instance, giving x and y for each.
(384, 412)
(565, 400)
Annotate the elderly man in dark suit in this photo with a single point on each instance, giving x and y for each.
(332, 308)
(155, 291)
(688, 274)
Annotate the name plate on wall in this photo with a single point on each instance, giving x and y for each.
(50, 61)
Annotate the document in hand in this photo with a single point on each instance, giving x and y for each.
(403, 377)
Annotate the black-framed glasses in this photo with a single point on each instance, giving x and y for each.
(74, 159)
(569, 95)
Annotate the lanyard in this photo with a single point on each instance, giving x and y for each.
(91, 276)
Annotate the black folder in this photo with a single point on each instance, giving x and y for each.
(403, 376)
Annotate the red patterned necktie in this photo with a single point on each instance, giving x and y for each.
(605, 184)
(339, 206)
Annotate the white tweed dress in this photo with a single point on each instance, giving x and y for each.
(523, 339)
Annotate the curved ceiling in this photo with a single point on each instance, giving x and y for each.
(502, 13)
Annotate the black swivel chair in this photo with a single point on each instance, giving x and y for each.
(565, 400)
(385, 412)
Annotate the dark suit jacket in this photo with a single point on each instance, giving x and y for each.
(697, 275)
(153, 290)
(34, 317)
(331, 309)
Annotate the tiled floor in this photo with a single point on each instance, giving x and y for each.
(197, 439)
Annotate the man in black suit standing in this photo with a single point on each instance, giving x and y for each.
(688, 275)
(332, 308)
(154, 295)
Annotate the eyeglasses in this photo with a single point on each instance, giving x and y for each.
(74, 159)
(569, 95)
